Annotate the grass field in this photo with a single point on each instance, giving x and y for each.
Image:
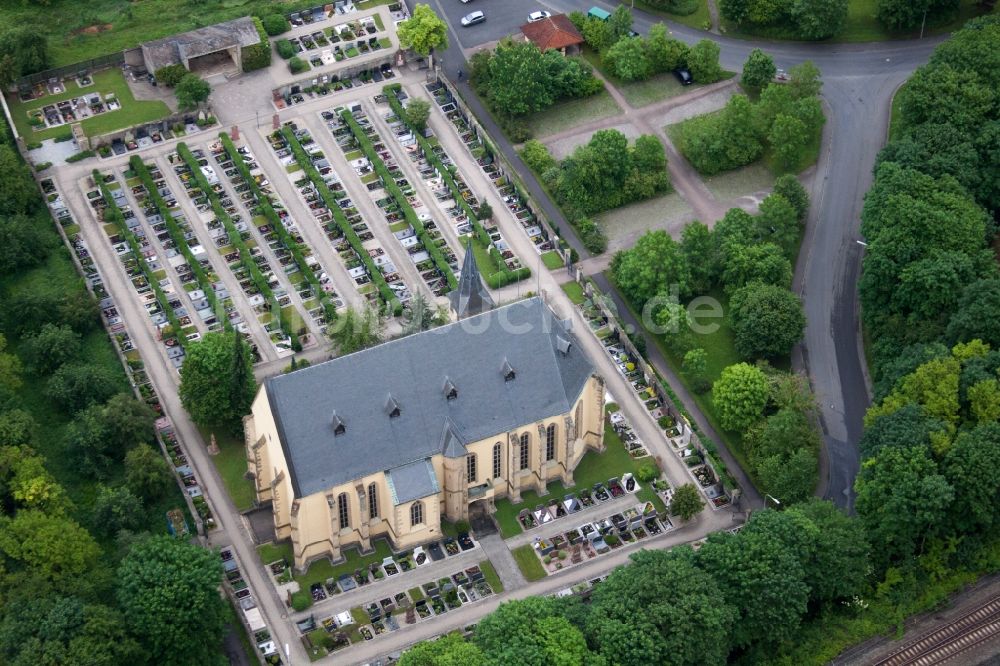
(862, 26)
(698, 19)
(529, 564)
(738, 182)
(132, 111)
(594, 468)
(552, 260)
(569, 114)
(575, 292)
(232, 465)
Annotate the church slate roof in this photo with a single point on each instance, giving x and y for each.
(412, 482)
(470, 353)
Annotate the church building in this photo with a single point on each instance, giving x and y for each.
(389, 441)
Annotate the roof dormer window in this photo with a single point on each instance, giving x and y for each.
(392, 407)
(563, 345)
(507, 371)
(338, 425)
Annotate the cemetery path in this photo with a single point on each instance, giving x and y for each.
(162, 258)
(230, 530)
(218, 264)
(371, 213)
(705, 523)
(499, 553)
(307, 222)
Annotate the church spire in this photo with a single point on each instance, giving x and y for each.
(471, 297)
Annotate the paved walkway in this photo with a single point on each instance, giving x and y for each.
(499, 554)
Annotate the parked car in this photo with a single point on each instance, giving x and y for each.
(473, 18)
(465, 2)
(781, 76)
(538, 16)
(684, 76)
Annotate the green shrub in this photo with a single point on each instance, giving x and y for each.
(284, 48)
(536, 155)
(591, 235)
(297, 65)
(275, 24)
(562, 554)
(68, 136)
(647, 472)
(82, 155)
(34, 145)
(171, 75)
(42, 166)
(257, 56)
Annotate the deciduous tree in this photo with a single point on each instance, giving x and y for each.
(767, 321)
(212, 402)
(146, 472)
(740, 395)
(703, 62)
(628, 60)
(531, 631)
(686, 502)
(449, 650)
(53, 346)
(423, 32)
(192, 91)
(418, 111)
(53, 547)
(652, 267)
(758, 70)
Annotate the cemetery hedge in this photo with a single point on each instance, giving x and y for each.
(257, 56)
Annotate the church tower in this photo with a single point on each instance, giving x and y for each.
(471, 297)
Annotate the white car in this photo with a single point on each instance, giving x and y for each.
(473, 18)
(538, 16)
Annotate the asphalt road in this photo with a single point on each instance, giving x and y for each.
(859, 81)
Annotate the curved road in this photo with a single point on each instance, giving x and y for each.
(858, 83)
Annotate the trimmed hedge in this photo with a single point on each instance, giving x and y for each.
(329, 310)
(82, 155)
(388, 295)
(118, 219)
(177, 236)
(503, 276)
(234, 237)
(257, 56)
(275, 24)
(390, 184)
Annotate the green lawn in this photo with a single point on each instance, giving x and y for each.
(575, 291)
(593, 468)
(320, 570)
(490, 574)
(529, 564)
(700, 18)
(862, 26)
(232, 465)
(552, 260)
(895, 115)
(79, 31)
(642, 93)
(574, 112)
(739, 182)
(132, 111)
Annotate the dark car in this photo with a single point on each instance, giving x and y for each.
(684, 76)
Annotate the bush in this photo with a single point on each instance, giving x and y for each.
(591, 235)
(275, 24)
(284, 48)
(82, 155)
(297, 65)
(562, 554)
(68, 136)
(301, 600)
(536, 155)
(648, 472)
(171, 75)
(257, 56)
(42, 166)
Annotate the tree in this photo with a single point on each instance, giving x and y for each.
(419, 315)
(18, 194)
(356, 330)
(102, 434)
(117, 509)
(789, 187)
(74, 387)
(972, 467)
(762, 579)
(902, 15)
(703, 62)
(665, 54)
(212, 402)
(53, 346)
(55, 548)
(619, 23)
(836, 567)
(536, 155)
(740, 395)
(646, 613)
(518, 84)
(804, 80)
(702, 253)
(767, 321)
(192, 91)
(417, 112)
(902, 500)
(10, 373)
(818, 19)
(653, 266)
(778, 223)
(686, 502)
(16, 426)
(146, 472)
(788, 138)
(792, 478)
(695, 366)
(530, 631)
(758, 70)
(23, 243)
(674, 323)
(597, 33)
(977, 315)
(423, 32)
(764, 263)
(984, 400)
(782, 434)
(27, 48)
(449, 650)
(169, 592)
(628, 60)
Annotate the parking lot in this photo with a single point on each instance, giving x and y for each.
(503, 17)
